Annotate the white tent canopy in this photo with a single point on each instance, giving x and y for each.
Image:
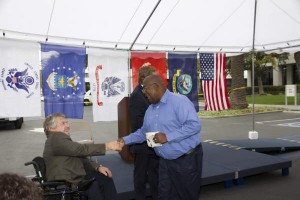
(175, 25)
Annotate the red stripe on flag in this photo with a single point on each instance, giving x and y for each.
(215, 91)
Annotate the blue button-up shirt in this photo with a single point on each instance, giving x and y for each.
(175, 116)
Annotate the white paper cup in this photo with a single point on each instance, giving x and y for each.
(150, 141)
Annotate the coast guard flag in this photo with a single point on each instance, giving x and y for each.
(20, 79)
(213, 77)
(183, 76)
(157, 60)
(63, 79)
(108, 72)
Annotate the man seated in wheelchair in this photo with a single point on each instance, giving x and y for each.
(67, 160)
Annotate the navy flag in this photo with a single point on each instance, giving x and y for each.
(183, 76)
(63, 79)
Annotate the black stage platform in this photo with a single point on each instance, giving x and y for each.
(263, 145)
(222, 163)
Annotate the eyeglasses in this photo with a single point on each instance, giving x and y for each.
(147, 87)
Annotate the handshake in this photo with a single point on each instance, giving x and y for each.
(154, 139)
(116, 145)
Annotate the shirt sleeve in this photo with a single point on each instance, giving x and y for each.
(62, 145)
(189, 123)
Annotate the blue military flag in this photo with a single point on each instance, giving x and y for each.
(63, 79)
(183, 75)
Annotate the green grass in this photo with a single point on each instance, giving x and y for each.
(272, 99)
(259, 99)
(231, 112)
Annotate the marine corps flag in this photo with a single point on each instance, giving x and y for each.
(108, 72)
(20, 79)
(156, 60)
(183, 75)
(63, 79)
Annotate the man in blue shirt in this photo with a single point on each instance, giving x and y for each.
(176, 122)
(145, 159)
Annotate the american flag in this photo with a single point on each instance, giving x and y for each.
(213, 77)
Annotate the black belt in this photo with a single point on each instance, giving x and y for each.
(191, 151)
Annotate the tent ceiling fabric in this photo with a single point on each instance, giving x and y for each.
(183, 25)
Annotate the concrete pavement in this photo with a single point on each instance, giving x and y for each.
(20, 146)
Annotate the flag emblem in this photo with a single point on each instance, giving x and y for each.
(60, 81)
(22, 80)
(112, 86)
(184, 84)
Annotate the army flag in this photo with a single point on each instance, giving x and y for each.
(108, 73)
(183, 76)
(63, 79)
(20, 79)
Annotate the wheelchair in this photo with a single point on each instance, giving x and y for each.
(56, 190)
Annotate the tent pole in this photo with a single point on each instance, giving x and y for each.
(144, 25)
(253, 134)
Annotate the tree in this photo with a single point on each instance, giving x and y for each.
(262, 63)
(297, 59)
(238, 90)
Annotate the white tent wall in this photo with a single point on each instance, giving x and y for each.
(183, 25)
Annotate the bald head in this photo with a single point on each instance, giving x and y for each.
(154, 78)
(154, 88)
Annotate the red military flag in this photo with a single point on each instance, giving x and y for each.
(156, 60)
(214, 84)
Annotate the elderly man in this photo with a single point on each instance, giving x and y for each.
(66, 159)
(176, 122)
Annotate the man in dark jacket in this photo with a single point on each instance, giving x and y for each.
(66, 159)
(145, 159)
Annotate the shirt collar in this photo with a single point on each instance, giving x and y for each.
(165, 96)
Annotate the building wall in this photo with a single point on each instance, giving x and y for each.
(279, 75)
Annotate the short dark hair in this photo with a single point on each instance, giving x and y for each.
(16, 187)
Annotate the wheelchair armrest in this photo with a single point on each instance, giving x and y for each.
(29, 163)
(54, 183)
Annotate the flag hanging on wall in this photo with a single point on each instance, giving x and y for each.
(183, 75)
(20, 79)
(156, 60)
(63, 79)
(108, 73)
(213, 75)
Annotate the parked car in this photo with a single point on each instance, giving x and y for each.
(16, 121)
(88, 98)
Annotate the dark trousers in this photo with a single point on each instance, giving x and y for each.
(103, 188)
(180, 179)
(145, 170)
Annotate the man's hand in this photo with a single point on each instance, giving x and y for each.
(121, 142)
(114, 146)
(160, 138)
(105, 171)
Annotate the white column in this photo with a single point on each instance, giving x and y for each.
(289, 74)
(249, 80)
(277, 75)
